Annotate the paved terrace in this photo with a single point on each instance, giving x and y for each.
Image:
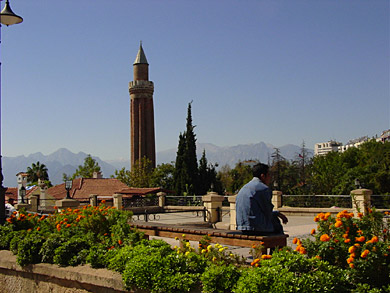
(298, 226)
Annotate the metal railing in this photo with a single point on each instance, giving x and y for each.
(139, 202)
(191, 200)
(317, 201)
(380, 201)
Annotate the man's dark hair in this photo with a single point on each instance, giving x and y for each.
(259, 169)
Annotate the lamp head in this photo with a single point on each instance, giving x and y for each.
(8, 17)
(68, 184)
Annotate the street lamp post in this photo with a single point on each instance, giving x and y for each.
(22, 192)
(68, 187)
(8, 18)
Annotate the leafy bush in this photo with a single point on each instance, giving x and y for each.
(28, 249)
(220, 278)
(360, 245)
(72, 252)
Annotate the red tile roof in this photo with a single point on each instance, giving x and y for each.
(82, 188)
(11, 192)
(142, 191)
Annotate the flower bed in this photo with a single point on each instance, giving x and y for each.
(345, 254)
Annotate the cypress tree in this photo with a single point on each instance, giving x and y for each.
(180, 176)
(191, 161)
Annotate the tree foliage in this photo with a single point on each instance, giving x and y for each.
(85, 171)
(333, 173)
(37, 171)
(143, 175)
(186, 174)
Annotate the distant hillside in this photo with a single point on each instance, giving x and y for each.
(59, 162)
(64, 161)
(233, 154)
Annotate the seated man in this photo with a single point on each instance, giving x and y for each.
(254, 208)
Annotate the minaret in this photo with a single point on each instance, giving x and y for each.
(141, 112)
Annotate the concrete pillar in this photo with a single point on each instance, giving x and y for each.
(34, 203)
(93, 200)
(232, 201)
(361, 200)
(43, 195)
(213, 203)
(67, 203)
(25, 206)
(161, 199)
(118, 201)
(277, 199)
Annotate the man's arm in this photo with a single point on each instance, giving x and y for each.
(283, 218)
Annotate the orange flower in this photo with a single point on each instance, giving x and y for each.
(351, 265)
(365, 253)
(347, 240)
(255, 261)
(266, 256)
(316, 219)
(360, 239)
(302, 250)
(353, 255)
(39, 228)
(326, 216)
(350, 260)
(324, 238)
(68, 225)
(295, 240)
(318, 257)
(120, 242)
(313, 231)
(352, 249)
(374, 239)
(338, 224)
(360, 215)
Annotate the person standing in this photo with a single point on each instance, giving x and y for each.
(254, 208)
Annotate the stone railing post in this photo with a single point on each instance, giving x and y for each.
(361, 200)
(117, 201)
(213, 204)
(161, 199)
(277, 199)
(34, 203)
(232, 201)
(93, 200)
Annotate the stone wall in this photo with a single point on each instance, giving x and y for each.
(43, 278)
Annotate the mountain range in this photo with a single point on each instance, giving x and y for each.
(64, 161)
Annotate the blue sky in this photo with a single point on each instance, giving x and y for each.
(281, 72)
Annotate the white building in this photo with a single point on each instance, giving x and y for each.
(322, 148)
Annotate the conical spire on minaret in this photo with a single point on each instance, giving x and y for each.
(141, 58)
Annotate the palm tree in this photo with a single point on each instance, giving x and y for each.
(37, 171)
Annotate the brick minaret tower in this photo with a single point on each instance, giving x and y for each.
(141, 112)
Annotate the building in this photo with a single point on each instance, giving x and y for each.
(141, 90)
(323, 148)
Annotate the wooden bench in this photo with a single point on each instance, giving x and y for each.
(226, 237)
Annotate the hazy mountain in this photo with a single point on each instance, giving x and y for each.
(233, 154)
(64, 161)
(57, 163)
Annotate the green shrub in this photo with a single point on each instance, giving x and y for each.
(49, 246)
(72, 252)
(28, 249)
(6, 235)
(159, 273)
(219, 278)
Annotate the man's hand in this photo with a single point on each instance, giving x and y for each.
(283, 218)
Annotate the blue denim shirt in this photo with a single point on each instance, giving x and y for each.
(254, 207)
